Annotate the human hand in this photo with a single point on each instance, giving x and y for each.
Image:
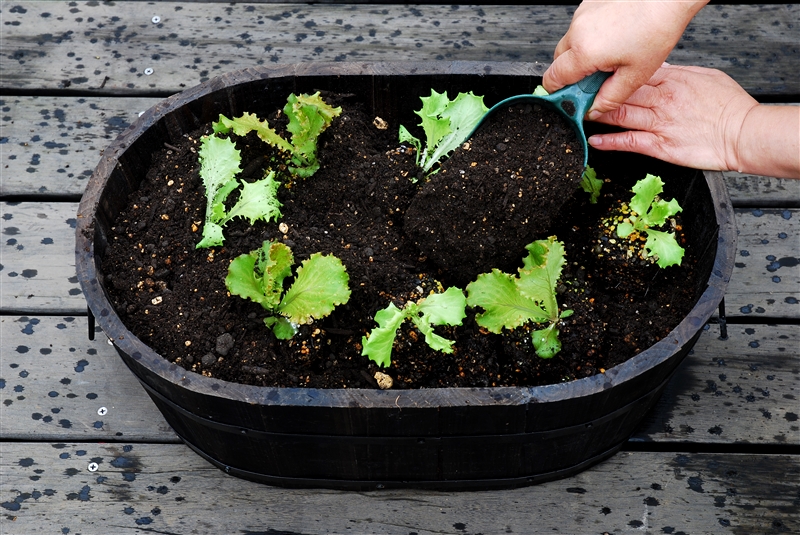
(630, 39)
(702, 118)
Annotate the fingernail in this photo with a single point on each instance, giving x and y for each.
(593, 115)
(595, 141)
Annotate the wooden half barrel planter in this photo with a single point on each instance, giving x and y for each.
(449, 438)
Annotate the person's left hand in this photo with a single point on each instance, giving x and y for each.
(689, 116)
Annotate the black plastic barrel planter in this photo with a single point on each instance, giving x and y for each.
(367, 439)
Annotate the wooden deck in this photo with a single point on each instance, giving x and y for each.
(84, 451)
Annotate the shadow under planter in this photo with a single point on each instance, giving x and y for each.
(448, 438)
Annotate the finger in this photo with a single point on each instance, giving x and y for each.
(669, 72)
(616, 91)
(631, 141)
(647, 96)
(561, 47)
(630, 117)
(688, 68)
(565, 70)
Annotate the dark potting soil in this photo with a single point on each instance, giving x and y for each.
(498, 193)
(173, 296)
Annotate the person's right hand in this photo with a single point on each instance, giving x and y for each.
(629, 38)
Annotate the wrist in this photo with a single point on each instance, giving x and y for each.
(769, 142)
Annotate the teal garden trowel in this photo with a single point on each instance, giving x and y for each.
(572, 101)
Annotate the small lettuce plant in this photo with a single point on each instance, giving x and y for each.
(220, 162)
(446, 124)
(509, 301)
(591, 184)
(647, 212)
(446, 308)
(320, 284)
(219, 165)
(308, 116)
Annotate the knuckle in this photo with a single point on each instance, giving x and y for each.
(621, 114)
(630, 139)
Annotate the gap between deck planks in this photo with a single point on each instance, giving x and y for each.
(38, 264)
(108, 47)
(54, 381)
(167, 489)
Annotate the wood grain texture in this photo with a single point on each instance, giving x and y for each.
(762, 192)
(741, 390)
(56, 384)
(766, 274)
(51, 145)
(109, 48)
(166, 489)
(37, 269)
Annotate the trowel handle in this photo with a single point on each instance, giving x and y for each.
(580, 95)
(592, 83)
(573, 101)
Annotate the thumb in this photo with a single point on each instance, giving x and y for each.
(617, 90)
(565, 70)
(613, 94)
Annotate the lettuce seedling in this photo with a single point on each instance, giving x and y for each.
(510, 302)
(591, 184)
(446, 125)
(320, 284)
(219, 165)
(308, 116)
(220, 162)
(447, 308)
(648, 211)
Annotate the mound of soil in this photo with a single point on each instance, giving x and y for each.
(498, 193)
(173, 296)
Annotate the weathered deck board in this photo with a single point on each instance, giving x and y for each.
(55, 383)
(99, 47)
(167, 489)
(37, 268)
(741, 390)
(52, 144)
(766, 275)
(762, 191)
